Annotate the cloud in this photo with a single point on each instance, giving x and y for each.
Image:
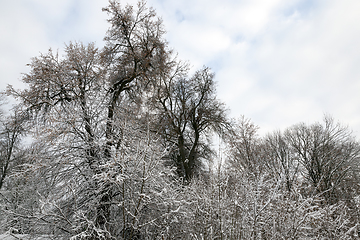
(314, 61)
(33, 26)
(277, 62)
(22, 35)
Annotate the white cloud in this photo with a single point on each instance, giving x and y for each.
(33, 26)
(22, 37)
(296, 62)
(314, 60)
(276, 61)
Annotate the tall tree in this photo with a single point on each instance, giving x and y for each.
(328, 153)
(281, 161)
(245, 147)
(11, 130)
(12, 152)
(188, 112)
(135, 53)
(77, 102)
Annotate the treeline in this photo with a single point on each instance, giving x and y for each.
(116, 143)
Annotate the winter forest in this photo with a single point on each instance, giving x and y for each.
(129, 142)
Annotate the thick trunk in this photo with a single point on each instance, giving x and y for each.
(120, 86)
(103, 210)
(181, 157)
(8, 157)
(3, 174)
(191, 159)
(109, 124)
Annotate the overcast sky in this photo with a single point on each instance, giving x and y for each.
(277, 62)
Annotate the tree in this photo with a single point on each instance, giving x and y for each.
(245, 147)
(188, 112)
(63, 102)
(281, 161)
(327, 153)
(11, 131)
(135, 54)
(77, 103)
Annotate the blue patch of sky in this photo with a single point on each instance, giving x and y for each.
(179, 16)
(67, 24)
(238, 38)
(72, 15)
(303, 7)
(215, 64)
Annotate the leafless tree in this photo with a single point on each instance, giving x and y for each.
(136, 54)
(76, 102)
(11, 131)
(327, 152)
(245, 149)
(189, 112)
(281, 161)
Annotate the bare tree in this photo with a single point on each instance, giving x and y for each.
(135, 53)
(327, 153)
(245, 147)
(75, 101)
(281, 160)
(189, 112)
(11, 131)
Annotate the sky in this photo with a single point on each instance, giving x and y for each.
(276, 62)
